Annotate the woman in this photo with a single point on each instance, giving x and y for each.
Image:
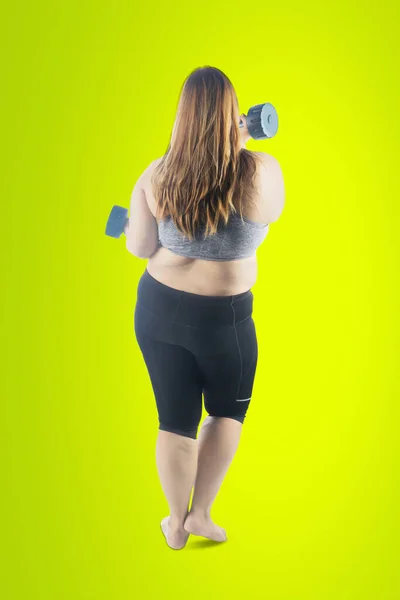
(198, 214)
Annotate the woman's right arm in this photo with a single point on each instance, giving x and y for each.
(272, 188)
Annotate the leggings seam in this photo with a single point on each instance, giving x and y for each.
(176, 309)
(238, 346)
(251, 362)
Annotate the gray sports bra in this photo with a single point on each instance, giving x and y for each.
(238, 239)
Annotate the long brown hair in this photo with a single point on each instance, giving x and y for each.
(205, 174)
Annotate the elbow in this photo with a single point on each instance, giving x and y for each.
(130, 248)
(135, 253)
(145, 251)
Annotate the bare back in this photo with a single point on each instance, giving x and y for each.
(206, 277)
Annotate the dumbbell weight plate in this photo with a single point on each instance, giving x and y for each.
(117, 221)
(262, 121)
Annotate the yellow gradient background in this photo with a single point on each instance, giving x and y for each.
(311, 502)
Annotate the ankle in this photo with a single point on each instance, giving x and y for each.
(200, 513)
(176, 522)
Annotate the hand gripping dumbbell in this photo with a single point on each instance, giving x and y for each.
(261, 121)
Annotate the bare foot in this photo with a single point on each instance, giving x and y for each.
(204, 527)
(176, 538)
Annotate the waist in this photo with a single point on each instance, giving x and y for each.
(203, 277)
(191, 309)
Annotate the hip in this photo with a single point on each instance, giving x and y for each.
(196, 322)
(203, 277)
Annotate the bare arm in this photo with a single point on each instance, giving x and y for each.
(272, 189)
(142, 231)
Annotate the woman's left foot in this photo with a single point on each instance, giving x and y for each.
(176, 537)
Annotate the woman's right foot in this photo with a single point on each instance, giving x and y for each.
(204, 527)
(176, 538)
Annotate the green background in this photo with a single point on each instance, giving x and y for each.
(311, 501)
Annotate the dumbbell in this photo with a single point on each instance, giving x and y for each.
(261, 121)
(117, 221)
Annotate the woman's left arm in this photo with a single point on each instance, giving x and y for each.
(142, 230)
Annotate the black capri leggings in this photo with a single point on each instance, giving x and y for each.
(196, 345)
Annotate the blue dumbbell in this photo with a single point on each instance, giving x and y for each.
(261, 121)
(117, 221)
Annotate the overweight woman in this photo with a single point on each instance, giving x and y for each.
(198, 214)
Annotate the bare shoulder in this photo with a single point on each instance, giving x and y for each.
(145, 177)
(266, 160)
(156, 162)
(150, 168)
(271, 185)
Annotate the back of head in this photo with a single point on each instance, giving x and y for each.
(205, 174)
